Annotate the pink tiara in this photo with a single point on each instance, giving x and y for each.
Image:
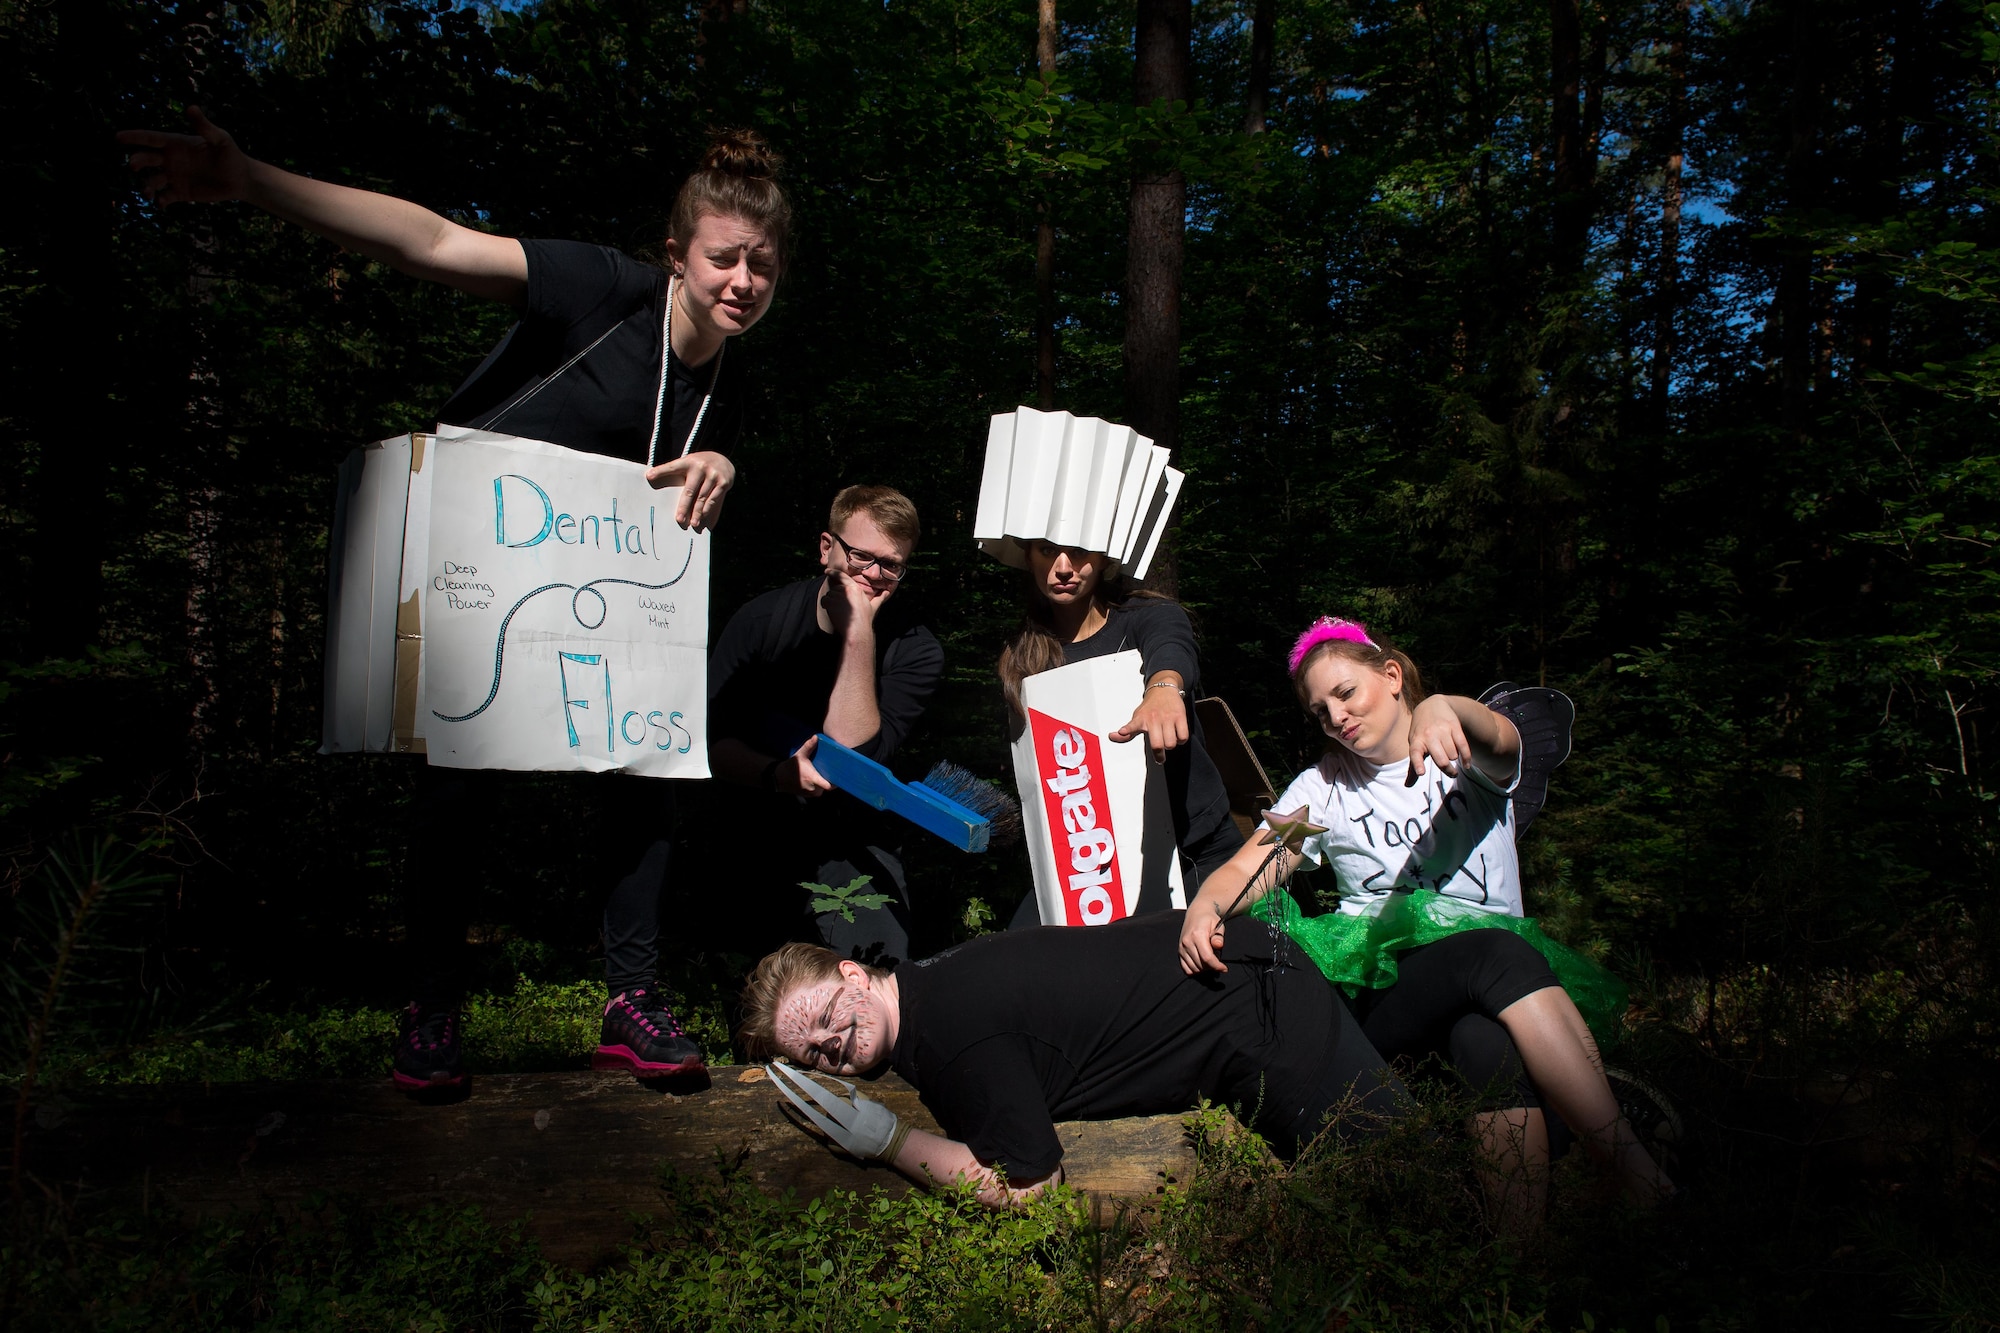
(1324, 630)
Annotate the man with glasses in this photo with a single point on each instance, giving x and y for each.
(833, 654)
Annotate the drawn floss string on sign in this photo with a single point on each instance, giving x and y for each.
(576, 613)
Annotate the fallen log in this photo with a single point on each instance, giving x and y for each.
(574, 1156)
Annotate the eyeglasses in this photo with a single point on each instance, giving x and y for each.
(860, 562)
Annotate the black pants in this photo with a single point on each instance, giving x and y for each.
(1354, 1094)
(462, 816)
(1446, 1004)
(877, 935)
(749, 853)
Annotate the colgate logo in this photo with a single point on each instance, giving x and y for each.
(1079, 814)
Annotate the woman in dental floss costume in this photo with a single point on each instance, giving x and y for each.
(611, 356)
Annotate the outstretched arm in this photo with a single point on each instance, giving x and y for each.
(1452, 731)
(207, 166)
(927, 1157)
(872, 1132)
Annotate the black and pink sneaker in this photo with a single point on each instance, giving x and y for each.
(642, 1036)
(427, 1057)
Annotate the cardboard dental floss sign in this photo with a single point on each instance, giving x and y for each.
(497, 602)
(1094, 811)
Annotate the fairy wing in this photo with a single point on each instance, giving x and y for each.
(1544, 718)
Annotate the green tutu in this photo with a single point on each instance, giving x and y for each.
(1359, 952)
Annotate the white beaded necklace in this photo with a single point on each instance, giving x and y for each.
(666, 366)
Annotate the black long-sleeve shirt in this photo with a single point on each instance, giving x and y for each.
(1164, 636)
(771, 673)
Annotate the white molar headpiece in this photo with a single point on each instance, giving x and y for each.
(1074, 481)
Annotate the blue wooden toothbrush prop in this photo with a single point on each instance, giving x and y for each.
(969, 814)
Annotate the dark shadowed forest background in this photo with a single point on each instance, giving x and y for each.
(1648, 349)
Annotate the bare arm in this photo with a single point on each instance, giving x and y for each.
(208, 166)
(926, 1157)
(852, 717)
(1222, 896)
(1161, 716)
(1453, 731)
(853, 714)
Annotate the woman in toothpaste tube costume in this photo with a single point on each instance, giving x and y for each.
(610, 355)
(1410, 806)
(1080, 607)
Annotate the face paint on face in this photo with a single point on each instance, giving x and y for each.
(1360, 707)
(837, 1026)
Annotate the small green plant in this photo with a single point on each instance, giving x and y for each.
(979, 916)
(65, 979)
(844, 899)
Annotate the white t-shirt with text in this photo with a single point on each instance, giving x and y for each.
(1451, 834)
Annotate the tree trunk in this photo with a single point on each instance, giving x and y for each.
(1154, 242)
(1891, 101)
(714, 21)
(572, 1155)
(274, 550)
(1593, 103)
(66, 397)
(1153, 250)
(205, 422)
(1045, 240)
(1262, 38)
(1667, 284)
(1797, 326)
(1570, 214)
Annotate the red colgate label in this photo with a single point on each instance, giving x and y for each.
(1079, 813)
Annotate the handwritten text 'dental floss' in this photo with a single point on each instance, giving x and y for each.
(532, 518)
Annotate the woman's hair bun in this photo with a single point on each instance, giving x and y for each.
(742, 152)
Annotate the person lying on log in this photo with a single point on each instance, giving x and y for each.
(609, 356)
(841, 654)
(1412, 805)
(1081, 606)
(1007, 1034)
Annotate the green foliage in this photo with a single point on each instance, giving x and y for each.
(726, 1256)
(534, 1025)
(846, 898)
(67, 978)
(426, 1272)
(25, 688)
(1385, 1235)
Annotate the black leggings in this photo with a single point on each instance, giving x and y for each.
(464, 810)
(1446, 1003)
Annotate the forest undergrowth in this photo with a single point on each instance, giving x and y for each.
(1387, 1235)
(1836, 1178)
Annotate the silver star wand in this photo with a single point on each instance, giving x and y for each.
(1287, 833)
